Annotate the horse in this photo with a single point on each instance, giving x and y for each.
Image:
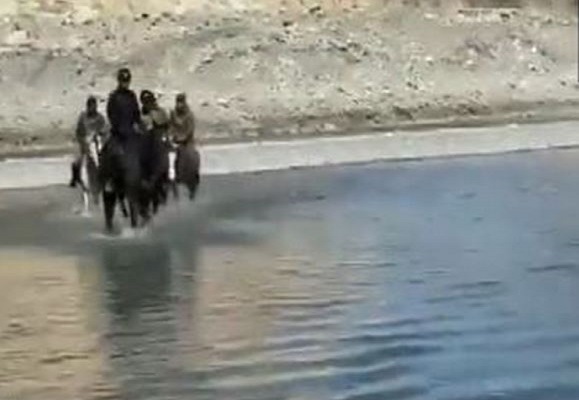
(121, 177)
(184, 169)
(136, 171)
(156, 166)
(88, 179)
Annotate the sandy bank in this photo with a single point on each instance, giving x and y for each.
(301, 71)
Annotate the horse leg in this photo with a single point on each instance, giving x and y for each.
(75, 173)
(153, 199)
(85, 202)
(155, 204)
(109, 201)
(193, 186)
(134, 212)
(163, 192)
(94, 184)
(96, 197)
(123, 206)
(146, 201)
(174, 189)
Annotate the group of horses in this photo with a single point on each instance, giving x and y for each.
(137, 175)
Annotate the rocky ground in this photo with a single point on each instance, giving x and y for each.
(256, 74)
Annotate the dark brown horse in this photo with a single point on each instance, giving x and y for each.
(121, 177)
(185, 166)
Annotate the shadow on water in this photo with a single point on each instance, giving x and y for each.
(148, 291)
(147, 297)
(138, 277)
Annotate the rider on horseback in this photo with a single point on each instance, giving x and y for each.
(125, 119)
(119, 171)
(155, 162)
(187, 164)
(91, 126)
(182, 123)
(155, 118)
(123, 109)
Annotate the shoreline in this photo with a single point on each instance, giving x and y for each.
(256, 157)
(548, 113)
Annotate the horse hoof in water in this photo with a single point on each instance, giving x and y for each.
(134, 233)
(110, 231)
(82, 212)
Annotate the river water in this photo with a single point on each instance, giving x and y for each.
(452, 279)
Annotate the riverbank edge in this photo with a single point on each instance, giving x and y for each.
(259, 157)
(339, 126)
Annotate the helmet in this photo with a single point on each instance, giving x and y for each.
(124, 75)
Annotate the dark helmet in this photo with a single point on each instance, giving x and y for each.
(124, 75)
(91, 101)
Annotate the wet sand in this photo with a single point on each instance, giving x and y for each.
(440, 279)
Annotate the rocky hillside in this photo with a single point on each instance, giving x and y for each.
(273, 67)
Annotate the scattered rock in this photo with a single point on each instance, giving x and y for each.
(329, 127)
(17, 38)
(505, 17)
(402, 113)
(207, 60)
(412, 85)
(84, 15)
(316, 10)
(223, 103)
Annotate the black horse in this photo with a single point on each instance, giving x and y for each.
(136, 171)
(156, 172)
(121, 178)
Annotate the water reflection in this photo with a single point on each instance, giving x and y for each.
(144, 298)
(138, 279)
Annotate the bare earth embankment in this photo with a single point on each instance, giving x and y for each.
(264, 73)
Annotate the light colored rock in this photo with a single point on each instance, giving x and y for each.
(84, 13)
(17, 38)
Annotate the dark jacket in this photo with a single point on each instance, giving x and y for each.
(123, 113)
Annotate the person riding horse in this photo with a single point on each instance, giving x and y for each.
(91, 126)
(155, 149)
(120, 166)
(182, 131)
(123, 109)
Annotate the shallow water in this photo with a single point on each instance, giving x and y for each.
(442, 279)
